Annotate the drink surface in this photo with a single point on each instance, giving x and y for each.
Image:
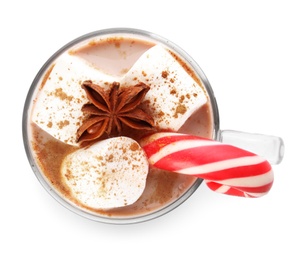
(115, 56)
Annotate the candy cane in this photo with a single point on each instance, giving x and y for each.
(225, 168)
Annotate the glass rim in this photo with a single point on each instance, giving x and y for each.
(25, 118)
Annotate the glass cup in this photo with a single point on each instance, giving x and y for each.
(271, 147)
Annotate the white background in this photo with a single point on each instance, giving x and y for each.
(252, 54)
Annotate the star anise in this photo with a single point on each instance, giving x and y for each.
(108, 111)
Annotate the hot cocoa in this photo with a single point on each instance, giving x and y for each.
(120, 58)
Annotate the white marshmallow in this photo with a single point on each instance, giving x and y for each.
(57, 109)
(111, 173)
(174, 95)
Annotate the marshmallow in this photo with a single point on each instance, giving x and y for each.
(111, 173)
(57, 109)
(173, 96)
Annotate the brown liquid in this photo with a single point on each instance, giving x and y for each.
(116, 56)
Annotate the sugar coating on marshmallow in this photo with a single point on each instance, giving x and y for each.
(57, 109)
(109, 174)
(174, 95)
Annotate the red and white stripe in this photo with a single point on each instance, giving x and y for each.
(225, 168)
